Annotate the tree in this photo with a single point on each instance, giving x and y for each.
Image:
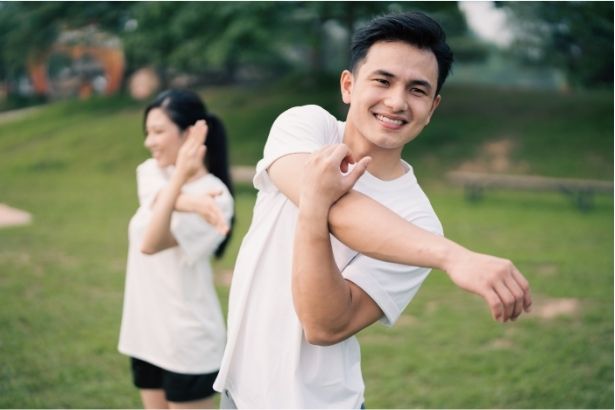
(574, 36)
(28, 29)
(208, 37)
(313, 19)
(217, 41)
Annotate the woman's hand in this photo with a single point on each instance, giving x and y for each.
(190, 156)
(205, 205)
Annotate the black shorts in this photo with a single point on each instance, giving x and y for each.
(178, 387)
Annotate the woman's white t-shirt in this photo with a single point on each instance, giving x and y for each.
(172, 316)
(268, 363)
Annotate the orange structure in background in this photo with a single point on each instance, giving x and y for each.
(93, 61)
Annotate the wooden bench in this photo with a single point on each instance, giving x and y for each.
(581, 191)
(244, 174)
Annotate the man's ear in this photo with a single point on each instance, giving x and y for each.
(346, 81)
(434, 105)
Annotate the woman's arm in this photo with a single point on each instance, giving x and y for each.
(189, 163)
(205, 205)
(158, 235)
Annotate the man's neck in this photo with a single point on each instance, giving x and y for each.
(386, 164)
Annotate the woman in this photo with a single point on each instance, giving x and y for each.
(172, 325)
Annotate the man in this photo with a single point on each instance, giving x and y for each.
(298, 293)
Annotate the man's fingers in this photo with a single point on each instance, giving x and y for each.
(339, 153)
(345, 163)
(495, 304)
(358, 170)
(507, 298)
(517, 293)
(525, 287)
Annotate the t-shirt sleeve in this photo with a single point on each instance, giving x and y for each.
(299, 129)
(194, 235)
(150, 181)
(392, 286)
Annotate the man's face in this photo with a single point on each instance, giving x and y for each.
(391, 94)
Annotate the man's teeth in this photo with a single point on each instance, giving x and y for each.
(389, 120)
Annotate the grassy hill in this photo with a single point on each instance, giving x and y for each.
(71, 164)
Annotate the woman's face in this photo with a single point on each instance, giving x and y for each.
(164, 138)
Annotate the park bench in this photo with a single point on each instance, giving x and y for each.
(243, 174)
(581, 191)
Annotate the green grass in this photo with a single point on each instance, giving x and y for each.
(72, 166)
(446, 351)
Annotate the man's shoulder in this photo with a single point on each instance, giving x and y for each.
(306, 112)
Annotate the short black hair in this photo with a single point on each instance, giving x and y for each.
(414, 28)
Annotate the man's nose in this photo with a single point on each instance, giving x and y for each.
(396, 100)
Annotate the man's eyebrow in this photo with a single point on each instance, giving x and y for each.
(383, 73)
(422, 83)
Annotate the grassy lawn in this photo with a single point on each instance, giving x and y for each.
(61, 278)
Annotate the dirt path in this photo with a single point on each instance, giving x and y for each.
(15, 114)
(12, 216)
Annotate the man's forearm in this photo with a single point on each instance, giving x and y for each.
(320, 293)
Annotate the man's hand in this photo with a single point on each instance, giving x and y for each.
(496, 280)
(325, 179)
(190, 156)
(329, 307)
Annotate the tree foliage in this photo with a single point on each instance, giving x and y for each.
(29, 28)
(219, 39)
(574, 36)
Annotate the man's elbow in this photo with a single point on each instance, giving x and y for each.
(150, 248)
(146, 250)
(323, 337)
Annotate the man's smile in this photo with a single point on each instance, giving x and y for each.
(390, 121)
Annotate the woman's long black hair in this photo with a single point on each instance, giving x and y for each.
(184, 108)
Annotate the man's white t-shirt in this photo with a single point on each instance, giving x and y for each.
(172, 316)
(267, 361)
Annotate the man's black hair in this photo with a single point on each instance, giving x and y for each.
(413, 28)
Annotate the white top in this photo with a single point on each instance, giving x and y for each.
(267, 362)
(172, 316)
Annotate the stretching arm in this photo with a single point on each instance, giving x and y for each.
(329, 307)
(394, 239)
(189, 163)
(158, 234)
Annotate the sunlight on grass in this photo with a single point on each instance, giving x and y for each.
(72, 166)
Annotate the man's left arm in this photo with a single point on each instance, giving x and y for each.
(329, 307)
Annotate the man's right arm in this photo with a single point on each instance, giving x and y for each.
(368, 227)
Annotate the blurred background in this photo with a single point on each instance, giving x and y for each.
(517, 161)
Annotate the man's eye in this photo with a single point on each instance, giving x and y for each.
(382, 81)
